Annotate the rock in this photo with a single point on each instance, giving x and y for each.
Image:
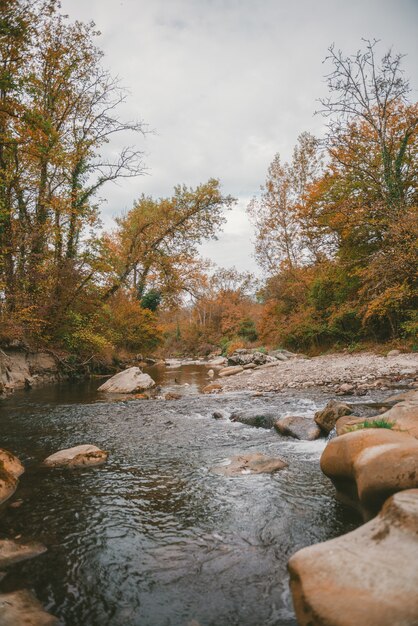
(367, 466)
(131, 380)
(21, 608)
(250, 366)
(10, 469)
(12, 552)
(262, 418)
(172, 396)
(219, 360)
(368, 577)
(79, 456)
(327, 418)
(405, 416)
(213, 387)
(298, 427)
(230, 371)
(346, 389)
(411, 396)
(11, 464)
(368, 409)
(211, 373)
(255, 463)
(394, 353)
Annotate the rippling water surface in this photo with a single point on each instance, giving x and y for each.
(154, 538)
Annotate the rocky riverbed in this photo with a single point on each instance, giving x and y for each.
(343, 374)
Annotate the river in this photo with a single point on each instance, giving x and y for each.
(154, 538)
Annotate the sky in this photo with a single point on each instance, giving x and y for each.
(226, 84)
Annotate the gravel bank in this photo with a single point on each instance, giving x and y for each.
(344, 373)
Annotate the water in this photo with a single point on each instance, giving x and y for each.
(154, 538)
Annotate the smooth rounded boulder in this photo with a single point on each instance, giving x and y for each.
(131, 380)
(368, 577)
(10, 470)
(367, 466)
(79, 456)
(298, 427)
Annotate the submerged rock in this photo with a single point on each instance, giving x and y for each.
(131, 380)
(21, 608)
(261, 418)
(12, 552)
(298, 427)
(327, 418)
(79, 456)
(367, 466)
(368, 577)
(255, 463)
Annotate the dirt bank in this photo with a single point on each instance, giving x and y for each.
(343, 373)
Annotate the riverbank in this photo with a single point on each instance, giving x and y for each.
(340, 373)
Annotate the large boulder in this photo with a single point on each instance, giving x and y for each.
(10, 470)
(367, 466)
(131, 380)
(218, 361)
(12, 552)
(327, 418)
(368, 577)
(79, 456)
(253, 463)
(298, 427)
(21, 608)
(262, 417)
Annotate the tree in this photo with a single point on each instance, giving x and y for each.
(157, 241)
(282, 234)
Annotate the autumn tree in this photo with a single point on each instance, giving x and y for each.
(156, 242)
(282, 234)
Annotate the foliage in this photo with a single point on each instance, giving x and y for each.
(375, 423)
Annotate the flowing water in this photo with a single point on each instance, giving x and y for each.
(154, 538)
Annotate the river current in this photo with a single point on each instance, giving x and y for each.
(154, 537)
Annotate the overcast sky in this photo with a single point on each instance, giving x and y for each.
(228, 83)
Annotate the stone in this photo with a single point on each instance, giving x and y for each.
(411, 396)
(21, 608)
(394, 353)
(131, 380)
(367, 466)
(368, 577)
(211, 373)
(327, 418)
(230, 371)
(298, 427)
(11, 464)
(346, 389)
(213, 387)
(219, 360)
(261, 418)
(255, 463)
(172, 396)
(79, 456)
(12, 552)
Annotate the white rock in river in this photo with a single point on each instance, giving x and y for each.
(79, 456)
(130, 380)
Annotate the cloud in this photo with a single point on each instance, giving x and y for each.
(228, 83)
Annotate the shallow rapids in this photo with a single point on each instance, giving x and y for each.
(154, 538)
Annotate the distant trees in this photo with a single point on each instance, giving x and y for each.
(341, 252)
(63, 282)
